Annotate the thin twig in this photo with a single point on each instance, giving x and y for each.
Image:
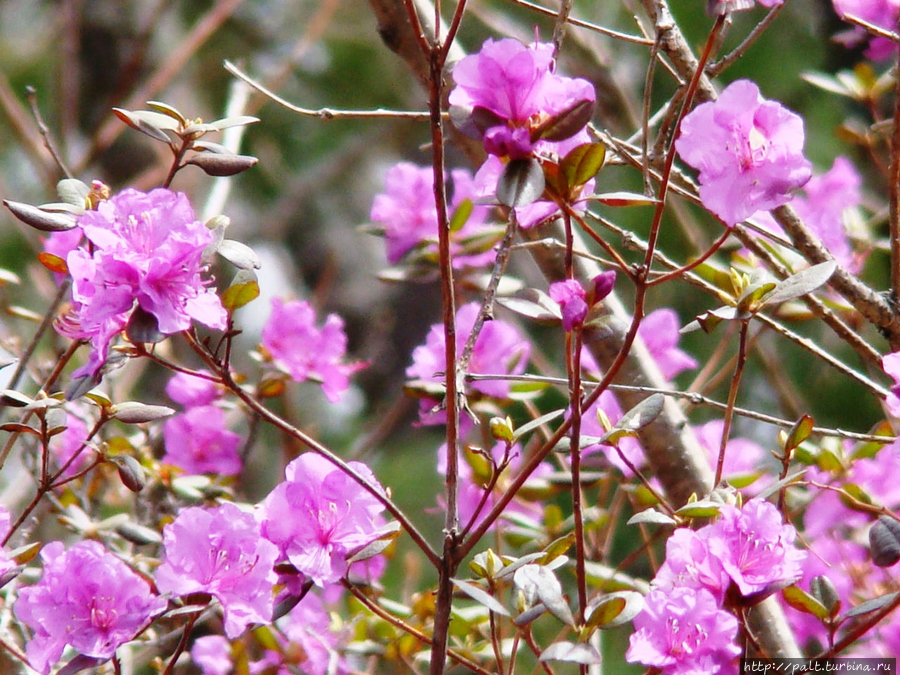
(31, 94)
(636, 39)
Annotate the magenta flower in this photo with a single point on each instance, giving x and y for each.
(220, 551)
(743, 458)
(88, 599)
(190, 390)
(683, 632)
(306, 352)
(689, 564)
(213, 654)
(518, 88)
(198, 441)
(406, 211)
(881, 13)
(319, 515)
(891, 365)
(146, 249)
(754, 546)
(748, 150)
(660, 332)
(571, 298)
(499, 350)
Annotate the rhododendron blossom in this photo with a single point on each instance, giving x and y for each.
(192, 390)
(307, 352)
(198, 441)
(407, 213)
(319, 515)
(891, 365)
(213, 654)
(748, 150)
(86, 598)
(500, 349)
(519, 87)
(146, 249)
(754, 546)
(220, 551)
(683, 632)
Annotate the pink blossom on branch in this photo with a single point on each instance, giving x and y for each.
(220, 551)
(748, 150)
(198, 442)
(319, 515)
(306, 352)
(145, 250)
(880, 13)
(683, 632)
(87, 599)
(407, 213)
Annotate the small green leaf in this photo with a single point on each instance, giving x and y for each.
(626, 199)
(40, 219)
(243, 290)
(73, 191)
(613, 609)
(239, 254)
(581, 164)
(704, 508)
(528, 427)
(533, 304)
(461, 215)
(802, 601)
(150, 123)
(168, 110)
(651, 516)
(557, 548)
(799, 432)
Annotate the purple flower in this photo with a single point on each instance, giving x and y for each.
(190, 390)
(499, 350)
(198, 442)
(306, 352)
(689, 564)
(406, 211)
(88, 599)
(220, 551)
(518, 87)
(319, 515)
(748, 150)
(213, 654)
(145, 249)
(891, 365)
(743, 457)
(660, 332)
(881, 13)
(683, 632)
(754, 546)
(571, 298)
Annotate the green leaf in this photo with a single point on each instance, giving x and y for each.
(613, 609)
(73, 191)
(557, 548)
(243, 290)
(239, 254)
(521, 183)
(626, 199)
(704, 508)
(801, 283)
(528, 427)
(40, 219)
(461, 215)
(802, 601)
(572, 652)
(533, 304)
(799, 432)
(642, 414)
(651, 516)
(581, 164)
(150, 123)
(168, 110)
(872, 605)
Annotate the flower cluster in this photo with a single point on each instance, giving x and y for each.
(144, 250)
(88, 599)
(306, 352)
(749, 550)
(574, 302)
(748, 150)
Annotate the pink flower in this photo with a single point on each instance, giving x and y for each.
(748, 150)
(307, 631)
(690, 564)
(881, 13)
(571, 298)
(145, 249)
(190, 390)
(213, 654)
(518, 88)
(683, 632)
(754, 546)
(319, 515)
(199, 442)
(743, 457)
(499, 350)
(306, 352)
(660, 332)
(407, 213)
(88, 599)
(220, 551)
